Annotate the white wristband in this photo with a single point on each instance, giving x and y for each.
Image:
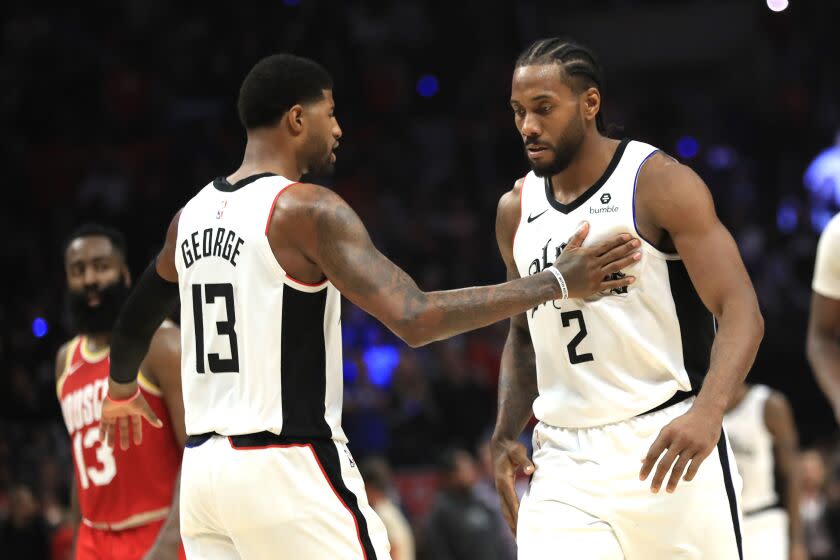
(560, 280)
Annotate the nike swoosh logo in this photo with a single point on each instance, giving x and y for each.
(74, 367)
(532, 218)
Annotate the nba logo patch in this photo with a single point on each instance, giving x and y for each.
(221, 210)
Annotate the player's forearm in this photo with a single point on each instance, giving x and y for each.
(517, 386)
(148, 305)
(795, 530)
(431, 316)
(739, 333)
(824, 356)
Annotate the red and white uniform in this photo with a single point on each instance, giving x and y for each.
(120, 492)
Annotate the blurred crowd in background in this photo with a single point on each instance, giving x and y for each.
(117, 112)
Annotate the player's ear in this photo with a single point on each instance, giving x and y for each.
(126, 275)
(294, 118)
(590, 103)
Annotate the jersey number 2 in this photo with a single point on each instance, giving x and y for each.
(215, 361)
(574, 357)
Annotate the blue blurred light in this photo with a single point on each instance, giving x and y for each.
(688, 147)
(351, 371)
(820, 218)
(720, 157)
(427, 86)
(40, 327)
(822, 177)
(291, 2)
(786, 218)
(381, 361)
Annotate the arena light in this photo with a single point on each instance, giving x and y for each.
(381, 361)
(688, 147)
(777, 5)
(40, 327)
(787, 218)
(427, 85)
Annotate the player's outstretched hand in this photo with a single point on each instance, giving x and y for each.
(588, 270)
(508, 457)
(686, 441)
(125, 404)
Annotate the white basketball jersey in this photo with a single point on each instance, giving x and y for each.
(619, 354)
(752, 445)
(260, 351)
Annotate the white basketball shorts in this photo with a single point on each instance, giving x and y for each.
(254, 498)
(586, 501)
(766, 535)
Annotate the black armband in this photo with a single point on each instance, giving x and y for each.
(151, 301)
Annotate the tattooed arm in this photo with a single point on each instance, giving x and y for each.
(332, 237)
(517, 378)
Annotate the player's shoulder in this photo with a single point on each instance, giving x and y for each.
(832, 229)
(62, 355)
(510, 202)
(308, 200)
(775, 402)
(662, 169)
(166, 338)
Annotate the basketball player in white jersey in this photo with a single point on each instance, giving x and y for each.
(762, 432)
(260, 261)
(622, 379)
(823, 345)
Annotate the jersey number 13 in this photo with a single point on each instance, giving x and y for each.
(212, 292)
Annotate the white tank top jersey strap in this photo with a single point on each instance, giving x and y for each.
(752, 444)
(614, 355)
(261, 351)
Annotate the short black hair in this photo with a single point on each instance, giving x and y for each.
(277, 83)
(98, 230)
(579, 65)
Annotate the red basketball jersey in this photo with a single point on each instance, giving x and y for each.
(117, 489)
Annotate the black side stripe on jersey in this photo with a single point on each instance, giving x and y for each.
(730, 491)
(303, 364)
(327, 456)
(697, 325)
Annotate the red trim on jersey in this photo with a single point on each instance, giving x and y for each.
(355, 521)
(323, 472)
(296, 281)
(274, 202)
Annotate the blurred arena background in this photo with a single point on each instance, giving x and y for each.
(117, 112)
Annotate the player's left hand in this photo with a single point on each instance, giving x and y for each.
(686, 441)
(124, 404)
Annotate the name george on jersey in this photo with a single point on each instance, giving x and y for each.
(215, 242)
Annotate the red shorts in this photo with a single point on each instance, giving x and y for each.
(128, 544)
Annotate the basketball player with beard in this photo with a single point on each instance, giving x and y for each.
(260, 262)
(626, 378)
(124, 501)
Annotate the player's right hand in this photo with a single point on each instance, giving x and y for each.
(588, 270)
(116, 415)
(508, 457)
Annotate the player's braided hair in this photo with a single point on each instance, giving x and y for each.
(581, 69)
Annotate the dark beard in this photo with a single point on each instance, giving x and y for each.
(563, 154)
(100, 319)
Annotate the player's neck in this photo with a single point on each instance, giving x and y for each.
(96, 342)
(588, 166)
(262, 156)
